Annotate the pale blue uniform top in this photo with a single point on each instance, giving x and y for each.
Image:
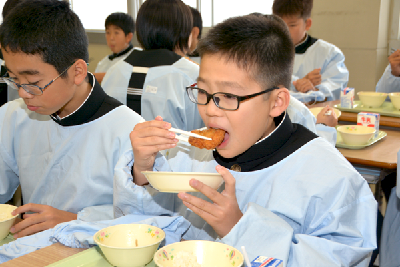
(388, 83)
(389, 255)
(66, 163)
(334, 73)
(312, 208)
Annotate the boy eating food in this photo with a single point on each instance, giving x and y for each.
(288, 194)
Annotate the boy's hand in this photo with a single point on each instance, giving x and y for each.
(224, 212)
(43, 218)
(330, 120)
(304, 85)
(147, 139)
(394, 60)
(314, 77)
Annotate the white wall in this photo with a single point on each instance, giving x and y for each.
(360, 29)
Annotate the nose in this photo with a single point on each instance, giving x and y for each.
(212, 109)
(24, 94)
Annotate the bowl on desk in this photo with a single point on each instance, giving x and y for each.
(175, 182)
(395, 99)
(6, 219)
(129, 245)
(356, 134)
(198, 253)
(372, 99)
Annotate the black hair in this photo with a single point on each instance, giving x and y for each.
(48, 28)
(260, 45)
(197, 20)
(8, 5)
(164, 24)
(300, 8)
(121, 20)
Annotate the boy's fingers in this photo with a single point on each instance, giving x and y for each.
(198, 205)
(230, 182)
(209, 192)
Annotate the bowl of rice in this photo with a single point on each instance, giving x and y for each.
(129, 245)
(198, 253)
(6, 219)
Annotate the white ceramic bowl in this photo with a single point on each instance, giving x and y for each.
(129, 245)
(174, 182)
(206, 253)
(6, 219)
(395, 98)
(372, 99)
(315, 111)
(355, 134)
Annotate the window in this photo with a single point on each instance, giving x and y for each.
(93, 13)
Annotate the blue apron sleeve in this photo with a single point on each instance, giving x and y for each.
(388, 83)
(340, 239)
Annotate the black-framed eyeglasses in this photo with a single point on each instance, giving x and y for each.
(30, 88)
(224, 101)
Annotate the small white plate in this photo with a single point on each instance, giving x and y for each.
(175, 182)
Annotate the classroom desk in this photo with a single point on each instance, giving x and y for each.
(352, 116)
(43, 257)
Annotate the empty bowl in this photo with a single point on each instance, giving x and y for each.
(372, 99)
(175, 182)
(315, 111)
(356, 134)
(198, 253)
(395, 98)
(129, 245)
(6, 219)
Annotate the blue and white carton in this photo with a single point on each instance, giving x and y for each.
(347, 97)
(261, 261)
(369, 119)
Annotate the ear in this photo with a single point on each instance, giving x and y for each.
(308, 23)
(128, 38)
(280, 101)
(195, 33)
(80, 71)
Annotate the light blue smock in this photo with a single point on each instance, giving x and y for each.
(79, 234)
(299, 113)
(106, 63)
(164, 91)
(389, 251)
(388, 83)
(310, 209)
(164, 94)
(69, 168)
(334, 73)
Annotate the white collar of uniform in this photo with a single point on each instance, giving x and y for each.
(273, 130)
(94, 81)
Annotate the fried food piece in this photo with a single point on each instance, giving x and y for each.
(217, 136)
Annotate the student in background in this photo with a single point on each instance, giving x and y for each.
(7, 94)
(390, 80)
(196, 34)
(390, 242)
(120, 28)
(153, 81)
(288, 194)
(61, 140)
(318, 65)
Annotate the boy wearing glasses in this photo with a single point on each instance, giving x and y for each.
(61, 140)
(288, 194)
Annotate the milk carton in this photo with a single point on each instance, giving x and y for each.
(370, 120)
(261, 261)
(347, 97)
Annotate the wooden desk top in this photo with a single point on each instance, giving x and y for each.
(382, 154)
(352, 116)
(43, 257)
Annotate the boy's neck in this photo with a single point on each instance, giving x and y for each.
(82, 92)
(303, 39)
